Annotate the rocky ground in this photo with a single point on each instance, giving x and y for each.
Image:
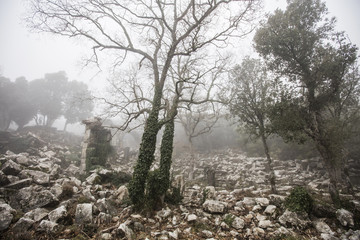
(42, 196)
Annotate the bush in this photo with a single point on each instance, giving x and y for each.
(229, 219)
(67, 191)
(299, 200)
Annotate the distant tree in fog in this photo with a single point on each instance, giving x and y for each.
(77, 103)
(15, 103)
(6, 94)
(197, 121)
(22, 108)
(302, 46)
(54, 96)
(253, 94)
(43, 100)
(47, 95)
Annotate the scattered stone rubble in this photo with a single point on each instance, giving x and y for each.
(43, 197)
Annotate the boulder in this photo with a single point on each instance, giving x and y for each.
(34, 197)
(294, 220)
(23, 224)
(270, 209)
(72, 170)
(93, 179)
(24, 160)
(121, 193)
(57, 190)
(20, 184)
(259, 232)
(322, 227)
(57, 214)
(263, 202)
(124, 231)
(238, 223)
(4, 180)
(38, 177)
(37, 214)
(11, 168)
(248, 202)
(265, 224)
(345, 217)
(84, 213)
(48, 226)
(213, 206)
(164, 213)
(6, 216)
(192, 218)
(106, 206)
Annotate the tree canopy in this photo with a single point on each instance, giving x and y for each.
(318, 65)
(43, 100)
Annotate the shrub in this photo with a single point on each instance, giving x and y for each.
(67, 191)
(229, 219)
(299, 200)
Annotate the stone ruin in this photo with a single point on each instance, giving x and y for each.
(96, 144)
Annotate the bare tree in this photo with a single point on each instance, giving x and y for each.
(151, 34)
(253, 93)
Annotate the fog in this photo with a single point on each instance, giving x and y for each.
(157, 119)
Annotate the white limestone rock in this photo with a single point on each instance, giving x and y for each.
(264, 202)
(84, 213)
(47, 226)
(238, 223)
(57, 214)
(294, 219)
(213, 206)
(270, 210)
(23, 224)
(345, 217)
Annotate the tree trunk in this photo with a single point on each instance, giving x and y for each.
(334, 163)
(192, 159)
(269, 162)
(166, 151)
(210, 176)
(146, 153)
(65, 125)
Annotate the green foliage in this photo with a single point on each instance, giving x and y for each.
(229, 219)
(145, 159)
(318, 67)
(254, 93)
(153, 190)
(173, 196)
(205, 194)
(299, 200)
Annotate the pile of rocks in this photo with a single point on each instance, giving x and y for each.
(41, 197)
(233, 169)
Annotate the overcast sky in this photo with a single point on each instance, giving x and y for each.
(32, 55)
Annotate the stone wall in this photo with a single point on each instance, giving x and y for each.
(95, 146)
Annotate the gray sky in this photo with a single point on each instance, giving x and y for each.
(32, 55)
